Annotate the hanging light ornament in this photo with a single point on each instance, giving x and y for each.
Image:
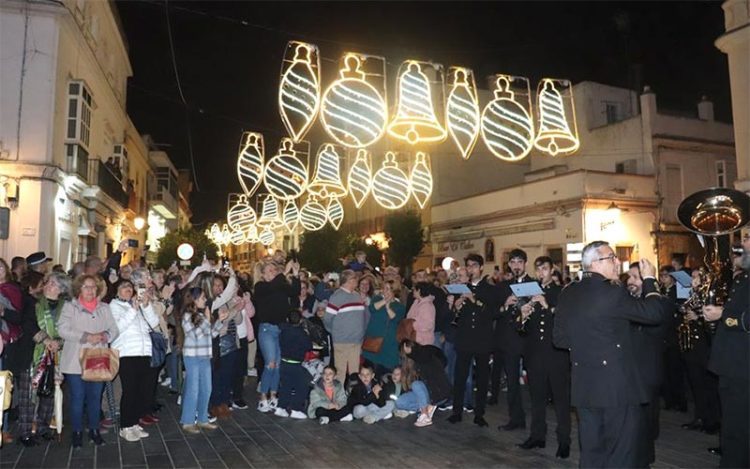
(299, 90)
(266, 237)
(225, 234)
(353, 112)
(237, 237)
(415, 121)
(335, 213)
(215, 232)
(291, 215)
(555, 136)
(462, 110)
(241, 215)
(250, 162)
(421, 179)
(285, 176)
(327, 179)
(360, 178)
(507, 128)
(251, 235)
(269, 215)
(390, 186)
(313, 215)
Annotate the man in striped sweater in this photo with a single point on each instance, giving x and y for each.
(346, 319)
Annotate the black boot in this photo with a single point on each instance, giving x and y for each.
(96, 437)
(563, 451)
(532, 443)
(77, 440)
(455, 418)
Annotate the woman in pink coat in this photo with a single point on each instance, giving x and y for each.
(423, 313)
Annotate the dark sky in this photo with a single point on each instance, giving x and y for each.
(229, 54)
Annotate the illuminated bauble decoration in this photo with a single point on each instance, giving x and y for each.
(299, 90)
(462, 111)
(421, 179)
(335, 213)
(360, 178)
(269, 214)
(353, 112)
(285, 176)
(327, 179)
(250, 162)
(555, 136)
(237, 237)
(415, 119)
(241, 215)
(507, 128)
(291, 215)
(251, 235)
(313, 215)
(215, 232)
(185, 251)
(226, 234)
(266, 237)
(390, 186)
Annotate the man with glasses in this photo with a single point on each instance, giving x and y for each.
(594, 320)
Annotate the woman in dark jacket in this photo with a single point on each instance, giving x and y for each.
(424, 376)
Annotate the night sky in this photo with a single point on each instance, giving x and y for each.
(229, 55)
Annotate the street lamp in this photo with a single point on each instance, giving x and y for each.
(139, 223)
(369, 241)
(185, 251)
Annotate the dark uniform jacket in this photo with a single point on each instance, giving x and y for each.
(474, 333)
(506, 336)
(731, 346)
(593, 320)
(539, 326)
(650, 345)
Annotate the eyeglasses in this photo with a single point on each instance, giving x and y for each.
(611, 257)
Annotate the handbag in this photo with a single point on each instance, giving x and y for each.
(227, 344)
(372, 344)
(99, 364)
(46, 385)
(158, 345)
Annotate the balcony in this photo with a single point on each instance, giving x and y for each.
(164, 203)
(77, 161)
(100, 175)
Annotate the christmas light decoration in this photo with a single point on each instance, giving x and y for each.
(313, 215)
(225, 234)
(299, 90)
(360, 178)
(291, 215)
(354, 112)
(415, 121)
(250, 162)
(335, 213)
(241, 215)
(251, 235)
(269, 215)
(462, 110)
(285, 176)
(390, 185)
(266, 237)
(327, 179)
(237, 237)
(421, 179)
(507, 128)
(555, 136)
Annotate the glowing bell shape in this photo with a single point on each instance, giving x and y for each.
(225, 234)
(327, 179)
(237, 237)
(291, 215)
(266, 237)
(390, 185)
(251, 235)
(269, 214)
(241, 215)
(299, 91)
(285, 176)
(462, 111)
(250, 162)
(335, 213)
(360, 178)
(507, 128)
(313, 215)
(215, 232)
(555, 136)
(415, 119)
(421, 179)
(353, 112)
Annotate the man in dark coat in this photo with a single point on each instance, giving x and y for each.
(594, 320)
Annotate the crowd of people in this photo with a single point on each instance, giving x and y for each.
(361, 344)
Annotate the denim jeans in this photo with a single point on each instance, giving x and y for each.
(196, 390)
(361, 411)
(268, 339)
(414, 400)
(223, 377)
(173, 367)
(83, 393)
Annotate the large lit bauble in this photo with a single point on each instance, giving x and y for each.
(353, 112)
(390, 185)
(335, 213)
(237, 237)
(290, 215)
(462, 112)
(285, 176)
(327, 179)
(241, 215)
(299, 91)
(421, 179)
(250, 162)
(266, 237)
(185, 251)
(507, 128)
(360, 178)
(313, 215)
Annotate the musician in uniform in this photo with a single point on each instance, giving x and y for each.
(548, 366)
(729, 360)
(674, 369)
(594, 320)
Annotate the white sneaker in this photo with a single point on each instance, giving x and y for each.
(139, 430)
(264, 406)
(212, 419)
(129, 434)
(369, 419)
(324, 420)
(179, 399)
(296, 414)
(281, 413)
(252, 372)
(424, 420)
(166, 382)
(400, 413)
(347, 418)
(274, 401)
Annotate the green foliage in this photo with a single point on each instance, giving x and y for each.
(320, 250)
(405, 238)
(354, 243)
(168, 247)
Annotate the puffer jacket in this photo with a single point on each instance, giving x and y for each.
(423, 313)
(134, 339)
(319, 398)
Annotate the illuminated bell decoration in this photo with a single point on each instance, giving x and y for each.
(421, 179)
(291, 215)
(269, 214)
(555, 136)
(360, 178)
(353, 112)
(250, 162)
(215, 232)
(313, 215)
(266, 237)
(327, 179)
(285, 176)
(299, 91)
(507, 128)
(241, 216)
(225, 234)
(335, 213)
(237, 237)
(391, 186)
(251, 235)
(415, 119)
(462, 111)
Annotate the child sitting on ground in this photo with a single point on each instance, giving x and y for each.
(393, 387)
(368, 400)
(295, 379)
(328, 399)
